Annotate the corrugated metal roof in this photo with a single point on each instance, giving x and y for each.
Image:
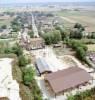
(68, 78)
(42, 65)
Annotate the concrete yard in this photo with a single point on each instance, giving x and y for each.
(8, 86)
(53, 61)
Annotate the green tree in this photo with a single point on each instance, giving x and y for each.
(16, 24)
(63, 31)
(16, 28)
(56, 37)
(80, 49)
(93, 35)
(4, 26)
(81, 53)
(79, 26)
(22, 61)
(47, 38)
(28, 75)
(76, 33)
(31, 34)
(17, 50)
(52, 37)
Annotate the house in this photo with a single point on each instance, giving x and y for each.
(4, 98)
(4, 32)
(65, 80)
(31, 43)
(42, 66)
(37, 43)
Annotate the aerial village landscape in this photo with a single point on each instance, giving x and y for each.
(47, 51)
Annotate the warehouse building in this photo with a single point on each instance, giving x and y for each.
(67, 79)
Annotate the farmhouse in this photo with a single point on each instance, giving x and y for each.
(65, 80)
(42, 66)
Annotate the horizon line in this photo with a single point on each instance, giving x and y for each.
(50, 2)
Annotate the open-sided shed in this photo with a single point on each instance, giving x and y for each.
(42, 66)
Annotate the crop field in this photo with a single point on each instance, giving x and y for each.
(86, 18)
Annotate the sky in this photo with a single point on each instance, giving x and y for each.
(34, 1)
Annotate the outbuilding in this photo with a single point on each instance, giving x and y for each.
(42, 66)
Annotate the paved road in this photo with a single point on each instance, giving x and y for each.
(35, 30)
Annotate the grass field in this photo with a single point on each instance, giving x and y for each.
(91, 47)
(87, 18)
(5, 20)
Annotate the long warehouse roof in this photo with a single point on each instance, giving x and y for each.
(67, 78)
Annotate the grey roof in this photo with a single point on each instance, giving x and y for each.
(42, 65)
(68, 78)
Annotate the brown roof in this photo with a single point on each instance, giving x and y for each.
(36, 39)
(37, 42)
(4, 98)
(68, 78)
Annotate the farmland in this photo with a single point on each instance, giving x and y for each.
(86, 18)
(5, 20)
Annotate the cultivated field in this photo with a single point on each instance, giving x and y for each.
(87, 18)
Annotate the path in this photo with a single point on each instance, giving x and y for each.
(69, 20)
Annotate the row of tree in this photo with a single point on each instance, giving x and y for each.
(61, 33)
(76, 32)
(79, 47)
(91, 35)
(27, 72)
